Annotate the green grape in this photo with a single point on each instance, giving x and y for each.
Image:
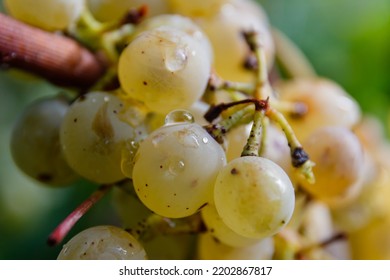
(219, 230)
(110, 10)
(254, 196)
(165, 68)
(224, 31)
(103, 243)
(35, 142)
(196, 8)
(210, 248)
(339, 161)
(180, 22)
(175, 168)
(327, 104)
(98, 130)
(46, 14)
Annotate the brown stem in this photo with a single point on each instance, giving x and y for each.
(67, 224)
(52, 56)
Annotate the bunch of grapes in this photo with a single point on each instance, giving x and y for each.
(211, 130)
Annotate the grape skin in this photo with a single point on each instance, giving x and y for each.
(46, 14)
(35, 142)
(175, 169)
(254, 196)
(103, 243)
(165, 68)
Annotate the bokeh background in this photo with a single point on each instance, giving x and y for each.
(345, 40)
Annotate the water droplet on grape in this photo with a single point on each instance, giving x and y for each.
(175, 59)
(205, 140)
(176, 166)
(179, 116)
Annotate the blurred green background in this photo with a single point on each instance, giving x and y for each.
(345, 40)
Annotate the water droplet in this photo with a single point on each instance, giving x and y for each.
(176, 166)
(205, 140)
(179, 116)
(175, 59)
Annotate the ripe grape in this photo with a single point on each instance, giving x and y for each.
(46, 14)
(339, 161)
(254, 196)
(103, 243)
(35, 142)
(196, 8)
(165, 68)
(219, 230)
(110, 10)
(210, 248)
(327, 104)
(97, 130)
(175, 169)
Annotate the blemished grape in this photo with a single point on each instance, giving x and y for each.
(103, 243)
(35, 142)
(339, 160)
(110, 10)
(219, 230)
(165, 68)
(175, 169)
(46, 14)
(254, 196)
(224, 31)
(210, 248)
(327, 104)
(97, 131)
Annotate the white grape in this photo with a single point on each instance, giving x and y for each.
(210, 248)
(103, 243)
(165, 68)
(254, 196)
(175, 169)
(35, 142)
(46, 14)
(98, 130)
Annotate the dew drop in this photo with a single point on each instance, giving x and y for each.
(175, 59)
(176, 166)
(179, 116)
(205, 140)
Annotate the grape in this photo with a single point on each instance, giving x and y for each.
(327, 104)
(254, 196)
(196, 8)
(210, 249)
(224, 31)
(97, 131)
(35, 142)
(103, 243)
(110, 10)
(339, 160)
(180, 22)
(221, 231)
(175, 169)
(46, 14)
(165, 68)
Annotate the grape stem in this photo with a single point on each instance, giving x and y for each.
(67, 224)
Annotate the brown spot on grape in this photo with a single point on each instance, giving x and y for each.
(45, 177)
(75, 120)
(234, 171)
(145, 83)
(131, 245)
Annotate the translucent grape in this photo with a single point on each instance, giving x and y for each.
(224, 31)
(109, 10)
(327, 104)
(165, 68)
(46, 14)
(210, 249)
(196, 8)
(103, 243)
(35, 142)
(175, 169)
(254, 196)
(219, 230)
(97, 131)
(338, 157)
